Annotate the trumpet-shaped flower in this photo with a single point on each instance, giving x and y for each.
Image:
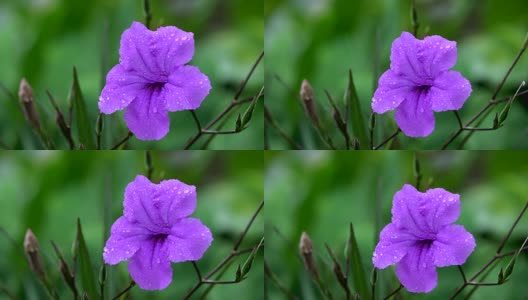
(420, 83)
(422, 237)
(152, 78)
(155, 230)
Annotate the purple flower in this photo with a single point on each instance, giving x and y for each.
(419, 83)
(152, 79)
(422, 237)
(155, 230)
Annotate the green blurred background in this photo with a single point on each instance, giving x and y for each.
(321, 192)
(43, 39)
(320, 40)
(47, 191)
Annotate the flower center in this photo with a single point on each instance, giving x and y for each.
(155, 86)
(159, 237)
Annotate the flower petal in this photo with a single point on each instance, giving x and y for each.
(453, 246)
(449, 91)
(172, 47)
(392, 90)
(147, 116)
(187, 88)
(120, 89)
(440, 208)
(414, 116)
(424, 213)
(416, 270)
(125, 239)
(150, 267)
(135, 52)
(392, 247)
(138, 204)
(407, 214)
(404, 57)
(176, 200)
(438, 54)
(188, 240)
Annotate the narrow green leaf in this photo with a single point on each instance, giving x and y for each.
(249, 261)
(358, 122)
(86, 271)
(359, 277)
(238, 274)
(249, 111)
(238, 124)
(76, 99)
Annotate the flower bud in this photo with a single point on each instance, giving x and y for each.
(306, 249)
(31, 247)
(25, 95)
(307, 98)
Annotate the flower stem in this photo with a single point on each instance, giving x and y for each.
(268, 117)
(124, 140)
(495, 257)
(393, 292)
(126, 290)
(234, 253)
(275, 279)
(388, 139)
(234, 103)
(492, 102)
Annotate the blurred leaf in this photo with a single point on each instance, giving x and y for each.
(359, 276)
(76, 99)
(358, 121)
(86, 271)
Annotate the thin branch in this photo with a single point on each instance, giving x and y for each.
(495, 257)
(234, 103)
(219, 131)
(275, 279)
(124, 140)
(388, 139)
(270, 120)
(128, 288)
(491, 102)
(393, 292)
(196, 120)
(507, 236)
(234, 253)
(462, 273)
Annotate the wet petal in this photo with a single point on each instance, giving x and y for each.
(121, 88)
(452, 246)
(135, 53)
(172, 47)
(440, 208)
(404, 57)
(416, 270)
(392, 90)
(189, 239)
(414, 116)
(176, 200)
(449, 91)
(392, 247)
(125, 239)
(150, 267)
(139, 206)
(438, 54)
(407, 213)
(187, 88)
(147, 116)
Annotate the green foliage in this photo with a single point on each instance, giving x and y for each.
(322, 192)
(43, 42)
(321, 40)
(48, 191)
